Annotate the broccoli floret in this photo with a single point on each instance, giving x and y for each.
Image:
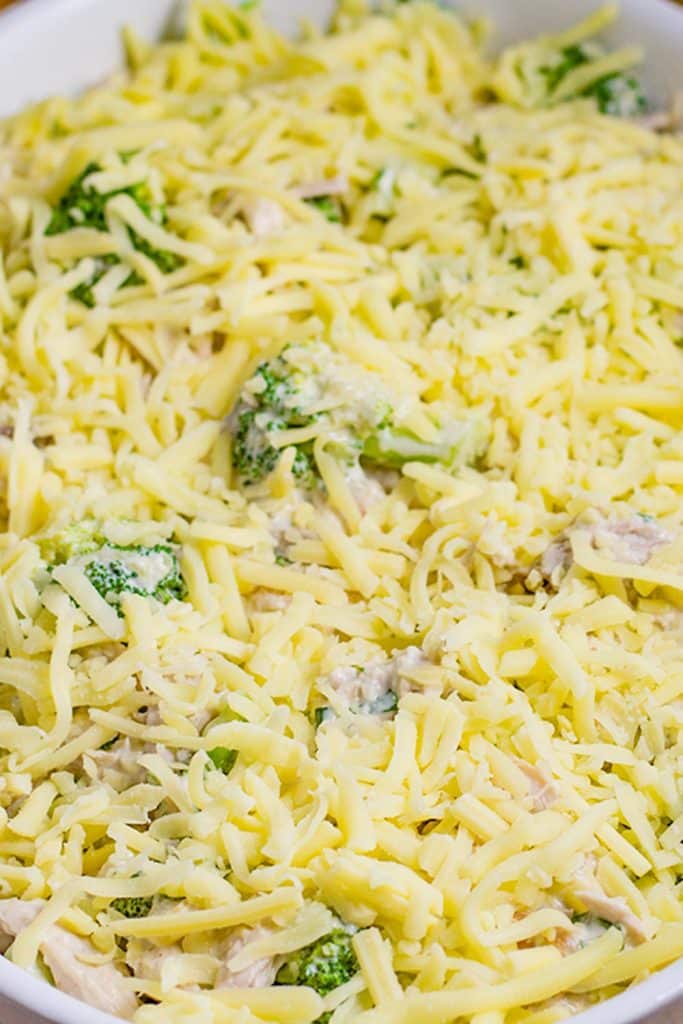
(114, 569)
(132, 906)
(77, 539)
(569, 58)
(618, 95)
(284, 395)
(269, 405)
(83, 206)
(84, 291)
(165, 260)
(147, 571)
(323, 966)
(329, 206)
(223, 759)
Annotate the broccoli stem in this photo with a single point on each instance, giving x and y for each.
(392, 447)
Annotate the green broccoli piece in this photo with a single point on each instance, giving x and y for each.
(281, 396)
(569, 58)
(110, 743)
(132, 906)
(458, 443)
(324, 965)
(77, 539)
(329, 206)
(223, 759)
(84, 291)
(79, 206)
(165, 260)
(114, 569)
(269, 404)
(618, 95)
(322, 714)
(136, 569)
(83, 206)
(387, 704)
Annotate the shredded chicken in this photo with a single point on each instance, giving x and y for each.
(66, 955)
(15, 915)
(283, 528)
(614, 910)
(118, 765)
(633, 540)
(556, 560)
(543, 789)
(493, 544)
(364, 689)
(259, 974)
(367, 488)
(147, 960)
(325, 187)
(263, 216)
(264, 600)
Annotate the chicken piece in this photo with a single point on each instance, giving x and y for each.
(543, 789)
(365, 489)
(259, 974)
(263, 216)
(98, 985)
(367, 690)
(325, 187)
(614, 910)
(632, 540)
(65, 955)
(556, 560)
(264, 600)
(493, 545)
(118, 764)
(15, 915)
(147, 960)
(370, 486)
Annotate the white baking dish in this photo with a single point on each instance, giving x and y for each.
(51, 46)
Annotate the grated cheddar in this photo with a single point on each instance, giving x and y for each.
(340, 582)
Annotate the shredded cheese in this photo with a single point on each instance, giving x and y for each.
(434, 710)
